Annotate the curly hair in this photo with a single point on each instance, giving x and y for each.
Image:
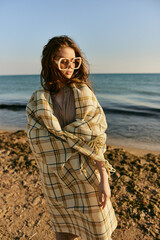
(51, 76)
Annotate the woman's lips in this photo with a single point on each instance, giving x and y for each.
(69, 72)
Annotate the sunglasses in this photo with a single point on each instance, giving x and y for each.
(63, 63)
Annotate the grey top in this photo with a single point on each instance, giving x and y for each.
(64, 106)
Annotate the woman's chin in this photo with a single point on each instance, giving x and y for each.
(68, 75)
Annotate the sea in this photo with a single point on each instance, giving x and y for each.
(131, 103)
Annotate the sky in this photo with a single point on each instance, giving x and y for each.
(115, 36)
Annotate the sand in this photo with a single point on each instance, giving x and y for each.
(23, 212)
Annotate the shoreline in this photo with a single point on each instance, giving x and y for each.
(133, 147)
(138, 149)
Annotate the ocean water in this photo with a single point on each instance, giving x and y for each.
(131, 103)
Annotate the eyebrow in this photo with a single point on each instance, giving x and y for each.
(66, 57)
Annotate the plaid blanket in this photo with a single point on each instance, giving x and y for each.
(66, 161)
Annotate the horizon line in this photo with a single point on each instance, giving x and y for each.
(29, 74)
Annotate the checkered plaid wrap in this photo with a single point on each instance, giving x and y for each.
(66, 161)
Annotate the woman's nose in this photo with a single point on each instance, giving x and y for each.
(71, 65)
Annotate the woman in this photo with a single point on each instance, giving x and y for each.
(66, 131)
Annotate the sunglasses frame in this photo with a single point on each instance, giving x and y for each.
(63, 69)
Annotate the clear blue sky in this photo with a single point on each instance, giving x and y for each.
(117, 36)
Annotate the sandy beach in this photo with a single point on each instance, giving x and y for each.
(23, 211)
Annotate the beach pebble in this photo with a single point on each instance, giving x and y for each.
(36, 201)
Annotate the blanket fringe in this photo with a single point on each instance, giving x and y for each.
(97, 144)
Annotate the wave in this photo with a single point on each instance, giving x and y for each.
(138, 111)
(127, 110)
(13, 107)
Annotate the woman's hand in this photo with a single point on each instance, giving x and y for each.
(104, 192)
(104, 188)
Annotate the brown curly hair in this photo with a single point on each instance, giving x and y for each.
(51, 76)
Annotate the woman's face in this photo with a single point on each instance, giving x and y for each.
(67, 52)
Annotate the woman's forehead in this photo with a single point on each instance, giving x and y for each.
(66, 52)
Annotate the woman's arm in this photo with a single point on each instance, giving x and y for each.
(104, 188)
